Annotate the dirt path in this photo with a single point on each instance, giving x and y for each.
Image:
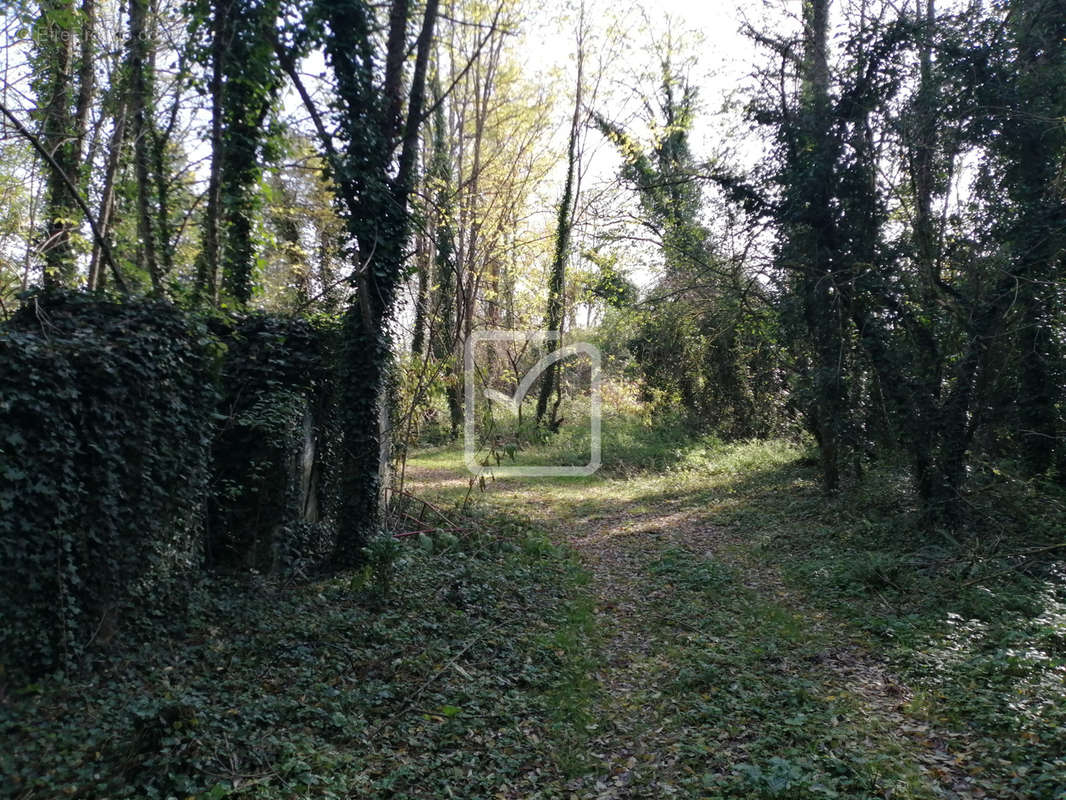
(639, 754)
(715, 679)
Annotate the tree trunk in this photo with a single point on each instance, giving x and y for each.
(54, 41)
(367, 351)
(97, 273)
(553, 319)
(422, 273)
(208, 261)
(820, 295)
(141, 97)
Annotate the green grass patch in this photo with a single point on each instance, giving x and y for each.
(759, 718)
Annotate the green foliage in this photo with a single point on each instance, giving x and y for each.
(934, 337)
(676, 568)
(275, 458)
(120, 425)
(704, 338)
(973, 624)
(106, 420)
(250, 89)
(445, 690)
(381, 559)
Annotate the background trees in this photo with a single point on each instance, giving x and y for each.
(913, 335)
(885, 272)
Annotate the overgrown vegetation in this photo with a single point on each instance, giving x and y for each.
(138, 446)
(454, 680)
(105, 434)
(275, 494)
(776, 645)
(974, 625)
(822, 556)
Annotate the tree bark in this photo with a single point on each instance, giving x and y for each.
(553, 318)
(367, 352)
(141, 91)
(208, 261)
(58, 135)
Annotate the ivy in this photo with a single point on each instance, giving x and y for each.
(274, 502)
(139, 443)
(105, 428)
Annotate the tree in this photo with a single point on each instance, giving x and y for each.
(445, 325)
(62, 62)
(1028, 105)
(141, 97)
(244, 84)
(936, 336)
(564, 222)
(690, 342)
(372, 171)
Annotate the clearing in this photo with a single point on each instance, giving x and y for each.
(731, 654)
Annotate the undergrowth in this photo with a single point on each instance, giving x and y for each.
(972, 623)
(472, 665)
(452, 682)
(974, 620)
(761, 719)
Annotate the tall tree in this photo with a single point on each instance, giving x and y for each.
(445, 328)
(64, 88)
(251, 84)
(215, 18)
(1028, 105)
(378, 116)
(809, 242)
(690, 340)
(564, 222)
(141, 96)
(244, 83)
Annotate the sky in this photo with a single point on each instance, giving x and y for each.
(720, 59)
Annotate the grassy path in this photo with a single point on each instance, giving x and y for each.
(710, 627)
(708, 675)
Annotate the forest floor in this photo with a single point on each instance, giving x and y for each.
(696, 620)
(750, 639)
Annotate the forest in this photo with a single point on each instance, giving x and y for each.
(498, 399)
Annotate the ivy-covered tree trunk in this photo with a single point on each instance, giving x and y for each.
(377, 134)
(814, 243)
(54, 38)
(553, 318)
(141, 98)
(1035, 96)
(252, 81)
(207, 264)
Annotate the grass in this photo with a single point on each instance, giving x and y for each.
(762, 718)
(977, 630)
(697, 619)
(942, 655)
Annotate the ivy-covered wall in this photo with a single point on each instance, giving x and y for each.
(106, 416)
(140, 443)
(274, 502)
